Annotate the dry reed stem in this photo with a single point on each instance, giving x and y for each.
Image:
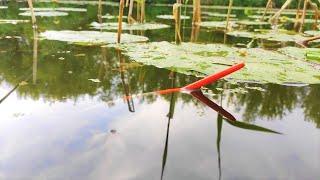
(121, 7)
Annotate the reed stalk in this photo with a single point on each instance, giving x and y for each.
(143, 11)
(131, 20)
(303, 15)
(268, 6)
(275, 18)
(177, 18)
(298, 14)
(35, 56)
(121, 7)
(196, 19)
(228, 15)
(33, 17)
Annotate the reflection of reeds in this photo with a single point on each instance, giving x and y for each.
(121, 7)
(35, 56)
(33, 17)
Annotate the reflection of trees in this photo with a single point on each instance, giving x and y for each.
(311, 104)
(271, 104)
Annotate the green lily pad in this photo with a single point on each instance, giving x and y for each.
(171, 17)
(126, 26)
(262, 66)
(44, 13)
(109, 16)
(271, 35)
(90, 37)
(252, 23)
(312, 33)
(219, 15)
(308, 54)
(64, 9)
(12, 21)
(217, 24)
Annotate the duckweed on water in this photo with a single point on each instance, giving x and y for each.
(262, 66)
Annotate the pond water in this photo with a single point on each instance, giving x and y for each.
(64, 115)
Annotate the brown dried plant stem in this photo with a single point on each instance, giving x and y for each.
(121, 7)
(268, 6)
(228, 15)
(33, 17)
(303, 15)
(274, 19)
(130, 18)
(177, 19)
(35, 56)
(196, 12)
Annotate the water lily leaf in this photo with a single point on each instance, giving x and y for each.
(90, 37)
(271, 35)
(262, 66)
(3, 7)
(95, 80)
(126, 26)
(218, 14)
(252, 23)
(217, 24)
(308, 54)
(312, 33)
(109, 16)
(12, 21)
(65, 9)
(171, 17)
(44, 13)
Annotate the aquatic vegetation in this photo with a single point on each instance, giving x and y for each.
(308, 54)
(13, 21)
(220, 25)
(3, 7)
(64, 9)
(126, 26)
(44, 13)
(219, 15)
(271, 35)
(90, 37)
(171, 17)
(109, 16)
(262, 66)
(252, 23)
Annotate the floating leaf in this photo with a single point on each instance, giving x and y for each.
(12, 21)
(90, 37)
(217, 24)
(65, 9)
(95, 80)
(44, 13)
(252, 23)
(126, 26)
(172, 17)
(219, 15)
(109, 16)
(271, 35)
(262, 66)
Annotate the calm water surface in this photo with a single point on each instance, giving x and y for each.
(57, 124)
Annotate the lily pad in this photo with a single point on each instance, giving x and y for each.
(312, 33)
(252, 23)
(3, 7)
(271, 35)
(171, 17)
(90, 37)
(217, 24)
(219, 15)
(262, 66)
(44, 13)
(109, 16)
(12, 21)
(308, 54)
(64, 9)
(126, 26)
